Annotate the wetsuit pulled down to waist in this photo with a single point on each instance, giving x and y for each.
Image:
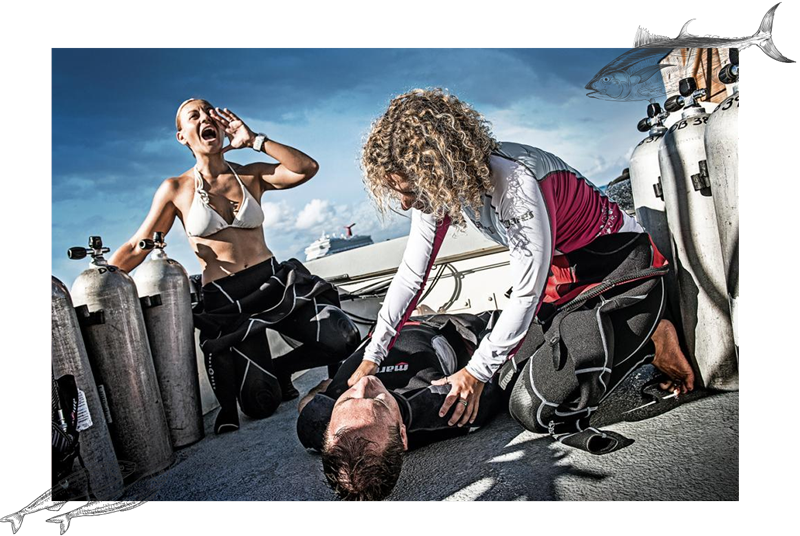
(233, 319)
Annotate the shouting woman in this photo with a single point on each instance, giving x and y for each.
(245, 289)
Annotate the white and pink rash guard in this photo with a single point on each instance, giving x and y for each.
(538, 206)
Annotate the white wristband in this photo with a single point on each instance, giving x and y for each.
(258, 143)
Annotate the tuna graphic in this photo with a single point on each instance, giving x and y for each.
(45, 500)
(633, 76)
(97, 508)
(74, 483)
(762, 39)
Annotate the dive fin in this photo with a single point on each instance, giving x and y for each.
(767, 45)
(63, 519)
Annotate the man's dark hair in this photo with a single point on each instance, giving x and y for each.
(358, 471)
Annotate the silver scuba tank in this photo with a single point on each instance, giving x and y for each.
(693, 228)
(69, 357)
(648, 198)
(722, 155)
(163, 287)
(645, 175)
(116, 341)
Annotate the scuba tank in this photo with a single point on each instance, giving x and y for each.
(648, 197)
(116, 341)
(69, 357)
(693, 228)
(163, 287)
(722, 152)
(645, 173)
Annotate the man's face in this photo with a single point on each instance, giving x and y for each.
(368, 410)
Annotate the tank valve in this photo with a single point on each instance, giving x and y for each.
(156, 242)
(674, 103)
(688, 89)
(95, 249)
(729, 74)
(733, 56)
(687, 86)
(688, 98)
(655, 118)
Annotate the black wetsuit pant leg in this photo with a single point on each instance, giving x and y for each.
(631, 325)
(599, 347)
(327, 335)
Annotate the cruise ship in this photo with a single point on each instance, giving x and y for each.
(329, 245)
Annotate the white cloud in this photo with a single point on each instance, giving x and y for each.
(315, 212)
(276, 214)
(592, 136)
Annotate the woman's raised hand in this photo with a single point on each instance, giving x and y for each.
(238, 133)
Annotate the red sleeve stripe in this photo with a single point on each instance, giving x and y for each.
(441, 231)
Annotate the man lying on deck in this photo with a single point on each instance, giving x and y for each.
(362, 431)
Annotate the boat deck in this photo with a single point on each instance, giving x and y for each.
(683, 450)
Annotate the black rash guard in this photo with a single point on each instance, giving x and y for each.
(427, 349)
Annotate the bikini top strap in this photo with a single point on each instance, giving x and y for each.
(236, 175)
(198, 186)
(198, 182)
(245, 192)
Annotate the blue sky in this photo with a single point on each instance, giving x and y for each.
(113, 127)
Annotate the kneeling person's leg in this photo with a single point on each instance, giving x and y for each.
(259, 391)
(327, 335)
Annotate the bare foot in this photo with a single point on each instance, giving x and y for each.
(670, 360)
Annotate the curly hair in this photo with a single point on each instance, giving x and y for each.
(357, 470)
(437, 142)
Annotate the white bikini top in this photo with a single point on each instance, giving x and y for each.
(204, 221)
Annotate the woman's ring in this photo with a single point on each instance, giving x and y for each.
(464, 402)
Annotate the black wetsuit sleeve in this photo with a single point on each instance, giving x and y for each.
(314, 420)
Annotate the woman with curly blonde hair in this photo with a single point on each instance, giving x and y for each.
(436, 155)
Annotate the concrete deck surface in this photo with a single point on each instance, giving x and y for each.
(683, 450)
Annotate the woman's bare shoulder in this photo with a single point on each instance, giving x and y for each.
(174, 187)
(183, 181)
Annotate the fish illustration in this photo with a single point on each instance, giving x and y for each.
(762, 39)
(45, 500)
(631, 76)
(99, 508)
(76, 480)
